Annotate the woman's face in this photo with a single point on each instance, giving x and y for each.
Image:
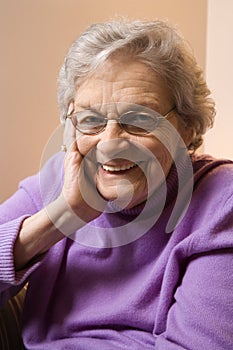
(121, 161)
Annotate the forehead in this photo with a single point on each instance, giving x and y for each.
(122, 80)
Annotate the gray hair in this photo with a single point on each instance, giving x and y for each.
(154, 43)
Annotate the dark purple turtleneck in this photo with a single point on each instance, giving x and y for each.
(169, 288)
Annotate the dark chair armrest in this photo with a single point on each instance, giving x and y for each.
(10, 323)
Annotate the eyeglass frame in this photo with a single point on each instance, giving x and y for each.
(118, 120)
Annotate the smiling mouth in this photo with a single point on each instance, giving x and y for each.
(118, 168)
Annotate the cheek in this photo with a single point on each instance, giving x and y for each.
(85, 143)
(169, 140)
(156, 148)
(161, 155)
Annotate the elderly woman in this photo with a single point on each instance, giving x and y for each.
(125, 239)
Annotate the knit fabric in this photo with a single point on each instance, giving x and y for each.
(162, 291)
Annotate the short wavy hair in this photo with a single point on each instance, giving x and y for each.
(154, 43)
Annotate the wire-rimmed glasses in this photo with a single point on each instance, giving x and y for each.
(139, 120)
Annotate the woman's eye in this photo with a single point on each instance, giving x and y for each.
(142, 118)
(139, 119)
(91, 120)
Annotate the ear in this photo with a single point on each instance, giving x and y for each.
(70, 108)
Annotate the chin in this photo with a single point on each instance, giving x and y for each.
(107, 195)
(123, 198)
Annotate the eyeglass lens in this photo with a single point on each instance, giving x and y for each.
(134, 122)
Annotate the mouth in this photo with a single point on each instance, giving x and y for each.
(117, 168)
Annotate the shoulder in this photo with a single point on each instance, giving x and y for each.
(204, 163)
(213, 177)
(208, 221)
(45, 186)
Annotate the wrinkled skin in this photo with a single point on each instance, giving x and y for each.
(118, 83)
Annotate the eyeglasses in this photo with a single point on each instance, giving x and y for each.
(141, 121)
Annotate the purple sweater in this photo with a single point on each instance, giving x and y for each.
(163, 291)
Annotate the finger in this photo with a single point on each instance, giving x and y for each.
(73, 156)
(69, 135)
(87, 186)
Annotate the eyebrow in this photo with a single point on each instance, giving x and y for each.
(80, 108)
(128, 105)
(149, 104)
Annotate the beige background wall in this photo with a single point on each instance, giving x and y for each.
(35, 36)
(219, 73)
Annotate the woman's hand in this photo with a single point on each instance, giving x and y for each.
(64, 215)
(78, 184)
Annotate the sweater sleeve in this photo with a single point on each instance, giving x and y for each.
(33, 194)
(12, 214)
(200, 315)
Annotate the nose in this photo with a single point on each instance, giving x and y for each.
(113, 128)
(113, 142)
(112, 149)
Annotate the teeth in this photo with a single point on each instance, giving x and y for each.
(118, 168)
